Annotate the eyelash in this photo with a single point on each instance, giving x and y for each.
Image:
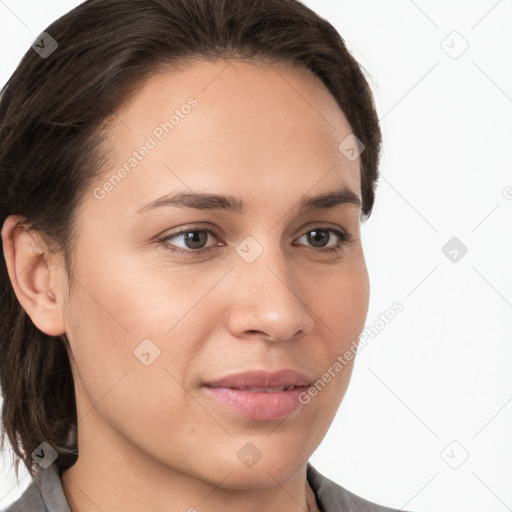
(344, 238)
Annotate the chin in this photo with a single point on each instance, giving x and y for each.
(260, 469)
(261, 476)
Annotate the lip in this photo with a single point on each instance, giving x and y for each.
(262, 378)
(261, 403)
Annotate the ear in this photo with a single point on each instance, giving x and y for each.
(34, 275)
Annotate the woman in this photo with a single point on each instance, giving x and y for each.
(183, 280)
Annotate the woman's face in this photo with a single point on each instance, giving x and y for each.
(157, 318)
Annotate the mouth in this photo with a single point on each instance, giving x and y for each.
(258, 394)
(263, 389)
(261, 379)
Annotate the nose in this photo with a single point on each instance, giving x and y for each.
(268, 303)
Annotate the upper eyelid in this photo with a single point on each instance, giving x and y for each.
(310, 226)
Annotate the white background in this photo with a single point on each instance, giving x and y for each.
(434, 386)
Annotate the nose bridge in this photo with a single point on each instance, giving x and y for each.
(268, 298)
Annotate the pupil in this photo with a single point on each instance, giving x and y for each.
(195, 239)
(318, 236)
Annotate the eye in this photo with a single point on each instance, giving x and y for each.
(320, 237)
(194, 240)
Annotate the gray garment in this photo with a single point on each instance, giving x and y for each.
(45, 494)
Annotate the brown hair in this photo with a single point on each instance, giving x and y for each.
(52, 112)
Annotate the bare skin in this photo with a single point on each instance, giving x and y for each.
(150, 438)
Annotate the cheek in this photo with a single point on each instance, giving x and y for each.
(340, 311)
(126, 301)
(340, 303)
(134, 340)
(139, 321)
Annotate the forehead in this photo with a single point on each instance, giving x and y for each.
(226, 83)
(222, 124)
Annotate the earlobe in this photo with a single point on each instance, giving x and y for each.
(29, 266)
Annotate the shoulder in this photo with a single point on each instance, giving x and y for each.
(331, 497)
(31, 500)
(44, 494)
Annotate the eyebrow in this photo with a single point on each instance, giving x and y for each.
(229, 203)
